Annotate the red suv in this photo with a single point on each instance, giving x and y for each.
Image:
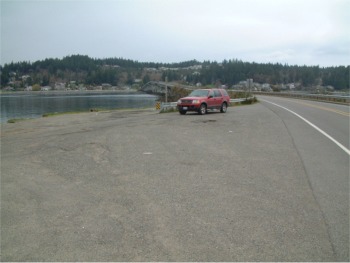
(201, 100)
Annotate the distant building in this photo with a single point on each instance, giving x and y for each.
(9, 89)
(106, 86)
(291, 86)
(60, 86)
(46, 88)
(25, 77)
(329, 88)
(151, 69)
(266, 87)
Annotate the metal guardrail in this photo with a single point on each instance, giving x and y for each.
(318, 97)
(328, 98)
(240, 99)
(167, 105)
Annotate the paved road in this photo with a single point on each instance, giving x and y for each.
(326, 164)
(142, 186)
(331, 118)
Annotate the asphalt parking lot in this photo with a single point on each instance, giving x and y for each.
(143, 186)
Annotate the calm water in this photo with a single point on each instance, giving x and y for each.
(34, 105)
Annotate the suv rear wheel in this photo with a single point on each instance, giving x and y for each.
(223, 107)
(202, 109)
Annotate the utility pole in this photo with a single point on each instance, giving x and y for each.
(166, 89)
(249, 84)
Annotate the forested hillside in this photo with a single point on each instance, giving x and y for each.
(88, 71)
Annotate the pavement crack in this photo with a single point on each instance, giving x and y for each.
(309, 183)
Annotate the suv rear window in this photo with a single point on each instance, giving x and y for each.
(224, 92)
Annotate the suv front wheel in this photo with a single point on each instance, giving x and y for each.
(202, 109)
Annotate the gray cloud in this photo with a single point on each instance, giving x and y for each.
(289, 31)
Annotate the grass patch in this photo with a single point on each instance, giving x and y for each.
(245, 102)
(51, 114)
(17, 120)
(250, 101)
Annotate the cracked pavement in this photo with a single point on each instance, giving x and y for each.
(143, 186)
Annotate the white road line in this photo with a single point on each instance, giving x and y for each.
(314, 126)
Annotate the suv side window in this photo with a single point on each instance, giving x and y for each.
(211, 94)
(217, 93)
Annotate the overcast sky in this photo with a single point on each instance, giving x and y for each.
(296, 32)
